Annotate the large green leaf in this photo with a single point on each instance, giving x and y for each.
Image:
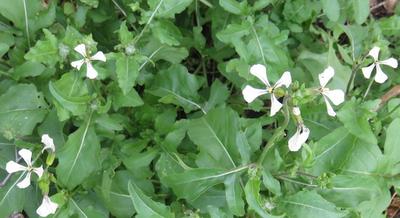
(361, 10)
(175, 85)
(12, 198)
(234, 6)
(309, 204)
(168, 8)
(392, 143)
(215, 134)
(234, 195)
(331, 9)
(78, 158)
(22, 108)
(340, 150)
(145, 206)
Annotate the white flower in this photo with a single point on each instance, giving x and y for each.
(13, 167)
(335, 96)
(91, 73)
(48, 143)
(250, 93)
(380, 76)
(47, 207)
(299, 138)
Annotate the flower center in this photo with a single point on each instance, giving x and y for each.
(270, 89)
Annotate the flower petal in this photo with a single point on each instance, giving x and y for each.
(48, 143)
(91, 73)
(81, 49)
(26, 155)
(296, 111)
(392, 62)
(374, 53)
(329, 108)
(99, 56)
(260, 72)
(25, 182)
(299, 138)
(39, 171)
(326, 76)
(47, 207)
(380, 76)
(285, 80)
(13, 167)
(275, 105)
(250, 93)
(336, 96)
(367, 71)
(77, 64)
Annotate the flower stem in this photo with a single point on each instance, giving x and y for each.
(368, 89)
(278, 133)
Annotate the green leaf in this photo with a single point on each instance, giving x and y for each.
(91, 3)
(167, 33)
(219, 93)
(355, 119)
(234, 6)
(127, 70)
(331, 9)
(12, 198)
(78, 158)
(253, 198)
(168, 8)
(234, 194)
(28, 69)
(131, 99)
(309, 204)
(215, 134)
(361, 10)
(45, 51)
(125, 37)
(145, 206)
(340, 151)
(71, 93)
(392, 143)
(177, 86)
(22, 108)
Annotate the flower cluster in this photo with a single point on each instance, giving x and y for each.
(300, 137)
(335, 96)
(47, 207)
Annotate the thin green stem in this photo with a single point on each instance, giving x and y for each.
(369, 88)
(390, 112)
(136, 39)
(355, 68)
(277, 134)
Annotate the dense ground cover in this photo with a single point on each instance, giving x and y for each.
(199, 108)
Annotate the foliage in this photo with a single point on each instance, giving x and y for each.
(164, 129)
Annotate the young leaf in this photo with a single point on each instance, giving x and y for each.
(145, 206)
(78, 158)
(45, 51)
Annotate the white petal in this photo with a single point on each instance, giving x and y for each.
(368, 70)
(38, 171)
(285, 80)
(25, 182)
(91, 73)
(374, 53)
(81, 49)
(26, 155)
(275, 105)
(47, 207)
(325, 76)
(380, 76)
(329, 108)
(77, 64)
(260, 72)
(336, 96)
(48, 142)
(296, 111)
(250, 93)
(392, 62)
(13, 167)
(99, 56)
(299, 138)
